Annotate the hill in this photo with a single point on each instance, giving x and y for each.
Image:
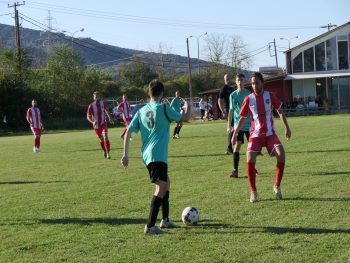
(41, 45)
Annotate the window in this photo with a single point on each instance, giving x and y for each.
(343, 55)
(320, 57)
(309, 60)
(331, 50)
(298, 63)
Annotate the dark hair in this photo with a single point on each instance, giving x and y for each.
(258, 75)
(240, 75)
(155, 88)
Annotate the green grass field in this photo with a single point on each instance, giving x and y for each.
(68, 204)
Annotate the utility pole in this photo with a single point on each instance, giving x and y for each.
(329, 26)
(189, 75)
(274, 43)
(18, 39)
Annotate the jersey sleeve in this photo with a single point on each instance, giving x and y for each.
(134, 125)
(172, 114)
(276, 102)
(245, 108)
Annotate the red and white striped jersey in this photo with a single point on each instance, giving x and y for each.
(96, 110)
(125, 108)
(33, 115)
(260, 108)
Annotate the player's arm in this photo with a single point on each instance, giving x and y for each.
(186, 114)
(125, 158)
(221, 106)
(90, 119)
(287, 131)
(230, 114)
(109, 116)
(28, 119)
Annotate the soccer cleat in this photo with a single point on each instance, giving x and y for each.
(167, 224)
(38, 150)
(154, 230)
(34, 149)
(278, 192)
(253, 197)
(177, 136)
(256, 172)
(108, 156)
(233, 174)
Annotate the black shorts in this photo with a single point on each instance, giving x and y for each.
(240, 136)
(158, 171)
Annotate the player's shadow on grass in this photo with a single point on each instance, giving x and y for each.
(196, 155)
(34, 182)
(272, 229)
(90, 221)
(320, 151)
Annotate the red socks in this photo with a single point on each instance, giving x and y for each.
(279, 173)
(37, 142)
(251, 176)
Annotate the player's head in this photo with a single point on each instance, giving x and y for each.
(177, 94)
(97, 96)
(124, 97)
(227, 79)
(156, 89)
(257, 82)
(34, 103)
(240, 80)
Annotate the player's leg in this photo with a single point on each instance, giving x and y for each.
(175, 130)
(156, 172)
(106, 144)
(253, 149)
(179, 128)
(276, 149)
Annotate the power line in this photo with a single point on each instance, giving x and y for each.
(154, 20)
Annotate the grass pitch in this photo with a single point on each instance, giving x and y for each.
(68, 204)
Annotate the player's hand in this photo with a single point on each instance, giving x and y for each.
(94, 124)
(125, 161)
(229, 129)
(288, 133)
(234, 139)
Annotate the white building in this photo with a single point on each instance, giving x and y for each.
(319, 69)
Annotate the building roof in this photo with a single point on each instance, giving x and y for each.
(315, 38)
(266, 80)
(317, 75)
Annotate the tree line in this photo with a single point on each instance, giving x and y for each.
(64, 87)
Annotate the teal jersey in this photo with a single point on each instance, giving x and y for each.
(236, 101)
(176, 104)
(154, 125)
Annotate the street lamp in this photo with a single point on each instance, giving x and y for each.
(198, 37)
(288, 39)
(72, 34)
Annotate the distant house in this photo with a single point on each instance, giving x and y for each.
(318, 70)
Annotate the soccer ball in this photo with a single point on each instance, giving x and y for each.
(190, 216)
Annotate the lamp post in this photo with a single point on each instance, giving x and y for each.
(198, 37)
(72, 34)
(288, 39)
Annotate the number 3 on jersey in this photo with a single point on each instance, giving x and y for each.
(150, 122)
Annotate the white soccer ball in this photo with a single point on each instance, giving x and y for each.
(190, 216)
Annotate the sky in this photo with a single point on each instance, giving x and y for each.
(144, 25)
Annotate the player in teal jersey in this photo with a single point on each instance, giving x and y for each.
(177, 104)
(153, 121)
(236, 100)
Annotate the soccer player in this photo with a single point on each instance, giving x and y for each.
(236, 100)
(124, 107)
(96, 115)
(176, 105)
(260, 105)
(153, 121)
(36, 124)
(224, 106)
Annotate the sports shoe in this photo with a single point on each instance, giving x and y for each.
(108, 156)
(177, 136)
(229, 152)
(34, 149)
(233, 174)
(253, 197)
(278, 192)
(154, 230)
(167, 224)
(256, 172)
